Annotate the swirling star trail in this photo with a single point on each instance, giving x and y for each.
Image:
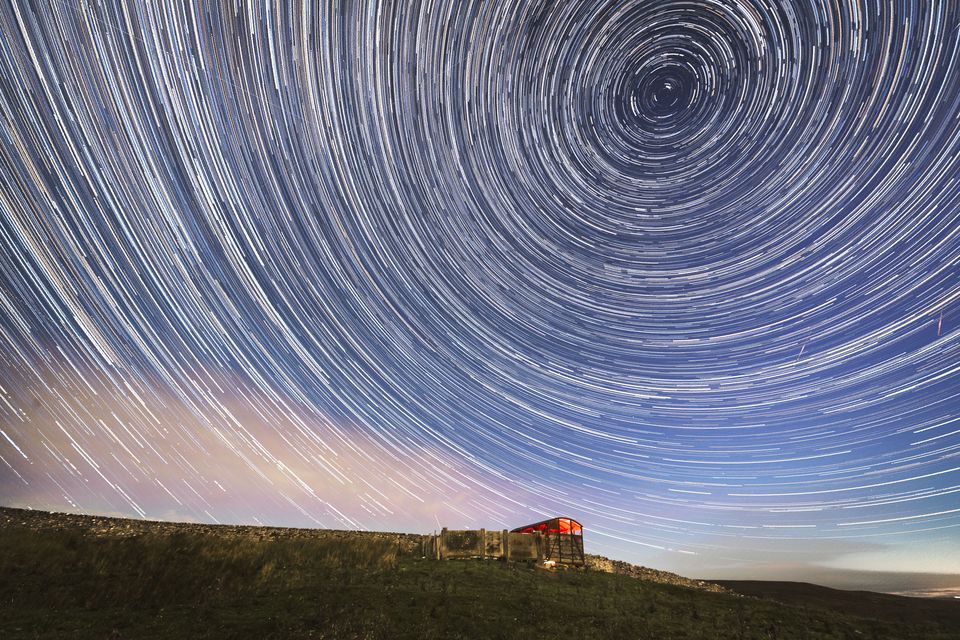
(686, 270)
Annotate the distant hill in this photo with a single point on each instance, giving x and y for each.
(69, 576)
(866, 604)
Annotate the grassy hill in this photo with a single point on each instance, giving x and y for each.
(860, 603)
(85, 577)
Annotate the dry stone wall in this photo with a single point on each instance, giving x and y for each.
(498, 543)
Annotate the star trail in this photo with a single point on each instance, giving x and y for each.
(685, 270)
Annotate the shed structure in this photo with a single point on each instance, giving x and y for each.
(559, 540)
(562, 539)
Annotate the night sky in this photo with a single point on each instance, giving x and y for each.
(685, 270)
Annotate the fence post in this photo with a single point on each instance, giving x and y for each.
(505, 545)
(483, 544)
(442, 551)
(539, 548)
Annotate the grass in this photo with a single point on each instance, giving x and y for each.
(69, 584)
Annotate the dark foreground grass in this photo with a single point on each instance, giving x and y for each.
(70, 584)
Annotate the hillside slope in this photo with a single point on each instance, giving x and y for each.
(85, 577)
(882, 606)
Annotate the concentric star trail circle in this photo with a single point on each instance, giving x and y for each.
(686, 270)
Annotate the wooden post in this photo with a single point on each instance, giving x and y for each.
(539, 548)
(443, 544)
(506, 545)
(483, 544)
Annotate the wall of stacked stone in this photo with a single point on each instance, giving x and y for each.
(103, 526)
(478, 543)
(448, 544)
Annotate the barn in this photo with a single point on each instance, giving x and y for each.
(562, 539)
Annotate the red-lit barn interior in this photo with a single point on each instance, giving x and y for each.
(562, 539)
